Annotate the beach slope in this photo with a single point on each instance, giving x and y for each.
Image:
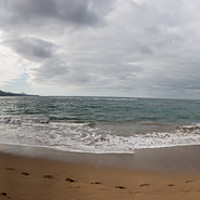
(38, 178)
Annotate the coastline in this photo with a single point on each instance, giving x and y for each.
(39, 173)
(172, 159)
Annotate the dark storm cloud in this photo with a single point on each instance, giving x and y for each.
(31, 48)
(38, 12)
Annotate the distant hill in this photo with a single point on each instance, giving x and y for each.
(2, 93)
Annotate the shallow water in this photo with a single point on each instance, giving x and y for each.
(99, 124)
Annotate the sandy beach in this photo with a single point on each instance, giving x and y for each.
(96, 177)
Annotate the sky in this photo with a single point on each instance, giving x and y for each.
(136, 48)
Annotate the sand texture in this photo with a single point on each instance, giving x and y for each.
(23, 178)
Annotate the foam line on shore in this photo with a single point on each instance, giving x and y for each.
(185, 159)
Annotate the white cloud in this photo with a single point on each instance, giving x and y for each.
(11, 67)
(139, 2)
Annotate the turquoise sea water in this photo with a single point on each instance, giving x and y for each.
(99, 124)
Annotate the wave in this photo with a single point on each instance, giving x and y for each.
(74, 137)
(91, 137)
(182, 136)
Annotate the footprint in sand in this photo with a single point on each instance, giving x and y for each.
(95, 183)
(171, 185)
(25, 173)
(70, 180)
(3, 194)
(119, 187)
(48, 176)
(189, 181)
(145, 184)
(9, 168)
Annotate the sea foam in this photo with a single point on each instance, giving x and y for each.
(89, 137)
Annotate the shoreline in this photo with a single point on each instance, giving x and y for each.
(170, 159)
(61, 176)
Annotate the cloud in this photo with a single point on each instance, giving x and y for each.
(11, 66)
(31, 48)
(107, 47)
(28, 13)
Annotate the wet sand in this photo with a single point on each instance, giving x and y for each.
(169, 173)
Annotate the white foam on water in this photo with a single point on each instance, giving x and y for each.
(89, 138)
(73, 137)
(182, 136)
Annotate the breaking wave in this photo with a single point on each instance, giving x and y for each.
(90, 137)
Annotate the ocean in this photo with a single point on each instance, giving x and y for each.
(99, 124)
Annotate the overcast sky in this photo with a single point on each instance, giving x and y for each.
(135, 48)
